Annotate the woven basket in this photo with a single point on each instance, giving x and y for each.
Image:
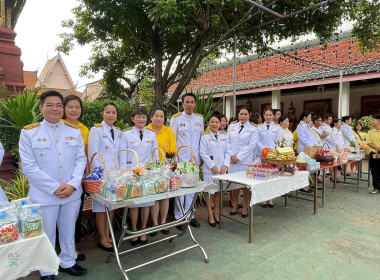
(188, 180)
(153, 158)
(93, 186)
(125, 150)
(286, 165)
(321, 158)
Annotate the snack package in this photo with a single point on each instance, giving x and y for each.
(135, 188)
(4, 204)
(20, 202)
(9, 231)
(31, 220)
(149, 186)
(115, 186)
(175, 182)
(96, 175)
(162, 184)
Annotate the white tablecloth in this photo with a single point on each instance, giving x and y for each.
(264, 190)
(20, 258)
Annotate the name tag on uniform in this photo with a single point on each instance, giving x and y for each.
(104, 136)
(198, 124)
(249, 131)
(149, 142)
(71, 138)
(223, 139)
(182, 124)
(133, 142)
(274, 131)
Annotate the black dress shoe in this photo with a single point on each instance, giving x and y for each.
(47, 277)
(180, 227)
(134, 242)
(306, 191)
(264, 205)
(165, 231)
(80, 257)
(270, 205)
(212, 224)
(194, 223)
(217, 222)
(75, 270)
(244, 215)
(108, 249)
(153, 234)
(232, 213)
(143, 242)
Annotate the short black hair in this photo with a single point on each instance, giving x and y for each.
(243, 108)
(216, 116)
(157, 109)
(304, 114)
(223, 116)
(327, 116)
(188, 94)
(346, 118)
(254, 119)
(316, 118)
(69, 98)
(48, 94)
(335, 121)
(275, 111)
(139, 111)
(282, 118)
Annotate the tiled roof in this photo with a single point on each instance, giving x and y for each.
(30, 79)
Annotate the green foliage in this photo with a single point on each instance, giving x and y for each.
(169, 39)
(92, 112)
(205, 105)
(16, 188)
(16, 112)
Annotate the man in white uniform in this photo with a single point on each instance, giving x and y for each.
(53, 160)
(188, 128)
(3, 197)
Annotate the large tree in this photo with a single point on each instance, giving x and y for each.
(168, 39)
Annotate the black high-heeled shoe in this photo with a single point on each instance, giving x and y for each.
(264, 205)
(143, 242)
(134, 242)
(212, 224)
(270, 205)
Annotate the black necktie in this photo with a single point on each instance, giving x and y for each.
(141, 135)
(216, 136)
(112, 134)
(267, 126)
(241, 128)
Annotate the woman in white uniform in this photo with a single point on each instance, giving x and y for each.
(3, 197)
(242, 137)
(269, 133)
(216, 154)
(143, 141)
(287, 135)
(336, 142)
(105, 139)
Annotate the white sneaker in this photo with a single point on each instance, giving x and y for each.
(375, 191)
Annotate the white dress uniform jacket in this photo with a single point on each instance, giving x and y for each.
(336, 140)
(328, 129)
(52, 154)
(316, 132)
(100, 140)
(268, 137)
(242, 144)
(214, 152)
(347, 133)
(188, 131)
(144, 148)
(130, 139)
(3, 197)
(305, 137)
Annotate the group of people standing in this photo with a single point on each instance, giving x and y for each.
(55, 152)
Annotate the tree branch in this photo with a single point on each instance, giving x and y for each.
(134, 35)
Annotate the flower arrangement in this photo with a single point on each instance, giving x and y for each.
(170, 154)
(280, 144)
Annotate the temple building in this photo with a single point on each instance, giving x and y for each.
(293, 84)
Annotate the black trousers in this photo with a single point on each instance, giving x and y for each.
(374, 165)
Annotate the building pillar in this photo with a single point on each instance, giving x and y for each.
(229, 107)
(344, 100)
(276, 99)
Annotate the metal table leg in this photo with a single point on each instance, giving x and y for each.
(323, 188)
(358, 176)
(335, 177)
(250, 237)
(221, 204)
(315, 193)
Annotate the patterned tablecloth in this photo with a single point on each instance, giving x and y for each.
(20, 258)
(264, 190)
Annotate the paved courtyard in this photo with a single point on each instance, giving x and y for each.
(341, 242)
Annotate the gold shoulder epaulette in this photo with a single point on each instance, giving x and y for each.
(233, 122)
(277, 124)
(222, 132)
(33, 125)
(300, 124)
(71, 125)
(199, 115)
(149, 128)
(205, 132)
(117, 127)
(177, 115)
(252, 123)
(98, 125)
(127, 128)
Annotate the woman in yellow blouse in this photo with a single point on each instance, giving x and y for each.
(373, 140)
(72, 114)
(167, 143)
(360, 136)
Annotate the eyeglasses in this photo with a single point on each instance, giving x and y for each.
(140, 117)
(51, 106)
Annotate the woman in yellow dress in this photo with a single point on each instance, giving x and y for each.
(167, 143)
(73, 112)
(359, 134)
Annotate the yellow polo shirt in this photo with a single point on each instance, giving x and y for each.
(295, 140)
(83, 130)
(165, 139)
(373, 137)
